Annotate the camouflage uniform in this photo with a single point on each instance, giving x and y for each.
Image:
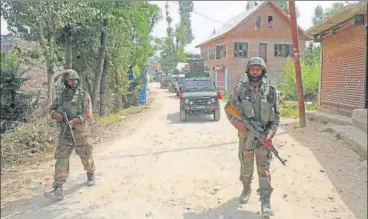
(263, 110)
(77, 105)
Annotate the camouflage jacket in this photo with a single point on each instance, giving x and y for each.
(76, 106)
(261, 107)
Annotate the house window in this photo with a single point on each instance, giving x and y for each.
(258, 21)
(212, 53)
(283, 50)
(240, 50)
(270, 21)
(220, 52)
(205, 55)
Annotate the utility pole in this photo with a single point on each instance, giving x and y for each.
(298, 72)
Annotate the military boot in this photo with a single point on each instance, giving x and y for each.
(91, 179)
(245, 195)
(266, 206)
(56, 193)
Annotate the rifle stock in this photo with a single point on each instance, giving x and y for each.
(232, 110)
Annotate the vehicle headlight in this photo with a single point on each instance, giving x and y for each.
(186, 101)
(191, 102)
(213, 100)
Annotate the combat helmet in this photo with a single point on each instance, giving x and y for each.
(70, 74)
(259, 62)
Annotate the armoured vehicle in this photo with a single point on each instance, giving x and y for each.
(199, 96)
(196, 69)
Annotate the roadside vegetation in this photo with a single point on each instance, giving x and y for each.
(107, 43)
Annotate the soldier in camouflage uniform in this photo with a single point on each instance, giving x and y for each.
(256, 100)
(77, 105)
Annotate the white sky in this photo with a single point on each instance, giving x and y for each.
(221, 11)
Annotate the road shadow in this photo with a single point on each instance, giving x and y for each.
(227, 210)
(174, 118)
(342, 166)
(169, 151)
(20, 207)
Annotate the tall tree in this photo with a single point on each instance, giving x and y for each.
(318, 15)
(251, 4)
(185, 8)
(335, 8)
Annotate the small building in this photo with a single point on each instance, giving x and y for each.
(264, 31)
(343, 38)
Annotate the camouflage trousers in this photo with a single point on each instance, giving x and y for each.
(263, 159)
(63, 151)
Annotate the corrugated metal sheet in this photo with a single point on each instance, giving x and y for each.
(344, 72)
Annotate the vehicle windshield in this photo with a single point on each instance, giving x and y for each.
(198, 86)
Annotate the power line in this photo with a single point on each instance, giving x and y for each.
(204, 16)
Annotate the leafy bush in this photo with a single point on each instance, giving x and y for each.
(14, 104)
(310, 77)
(25, 140)
(290, 108)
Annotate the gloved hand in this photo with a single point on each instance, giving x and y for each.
(74, 121)
(57, 116)
(239, 125)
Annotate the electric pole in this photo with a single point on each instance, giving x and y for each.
(298, 72)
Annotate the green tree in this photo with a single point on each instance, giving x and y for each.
(185, 8)
(335, 8)
(318, 15)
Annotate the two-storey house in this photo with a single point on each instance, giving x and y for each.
(263, 31)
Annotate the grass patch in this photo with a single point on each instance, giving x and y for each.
(20, 146)
(225, 97)
(118, 116)
(289, 109)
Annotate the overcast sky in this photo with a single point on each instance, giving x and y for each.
(208, 15)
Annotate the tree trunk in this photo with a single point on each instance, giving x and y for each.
(103, 91)
(118, 103)
(47, 51)
(50, 86)
(68, 47)
(98, 73)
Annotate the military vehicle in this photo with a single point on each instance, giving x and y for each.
(172, 82)
(179, 83)
(199, 96)
(196, 69)
(164, 82)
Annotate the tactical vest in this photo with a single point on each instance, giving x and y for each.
(257, 107)
(73, 107)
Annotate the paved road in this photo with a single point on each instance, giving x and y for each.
(172, 170)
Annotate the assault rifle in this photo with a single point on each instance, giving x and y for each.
(231, 109)
(67, 126)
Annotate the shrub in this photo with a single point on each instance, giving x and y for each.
(25, 140)
(310, 77)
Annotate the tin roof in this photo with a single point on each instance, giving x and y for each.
(330, 22)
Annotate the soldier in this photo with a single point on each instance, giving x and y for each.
(77, 105)
(256, 100)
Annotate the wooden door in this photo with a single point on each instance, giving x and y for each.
(263, 51)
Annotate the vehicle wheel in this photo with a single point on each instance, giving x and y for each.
(183, 115)
(216, 115)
